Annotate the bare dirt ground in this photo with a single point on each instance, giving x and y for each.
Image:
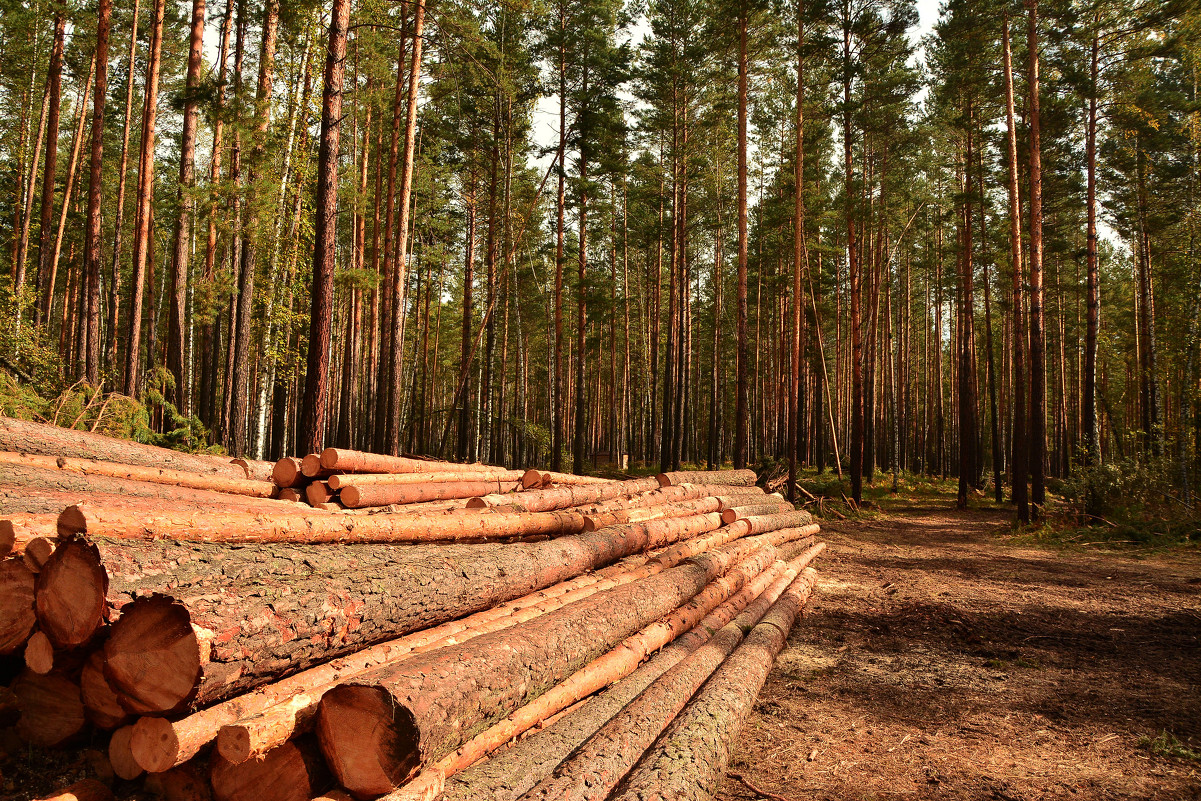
(939, 660)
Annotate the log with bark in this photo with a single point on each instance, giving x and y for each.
(18, 530)
(149, 475)
(382, 727)
(17, 615)
(605, 670)
(732, 478)
(537, 479)
(253, 527)
(229, 627)
(730, 514)
(287, 473)
(567, 496)
(348, 461)
(318, 493)
(358, 496)
(597, 766)
(690, 757)
(510, 773)
(27, 437)
(495, 474)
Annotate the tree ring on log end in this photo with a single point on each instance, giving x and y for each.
(152, 656)
(370, 742)
(71, 594)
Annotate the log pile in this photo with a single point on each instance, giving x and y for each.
(364, 626)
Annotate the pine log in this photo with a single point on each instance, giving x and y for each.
(51, 710)
(188, 782)
(348, 461)
(567, 496)
(287, 473)
(536, 479)
(291, 495)
(493, 474)
(220, 526)
(254, 734)
(18, 530)
(719, 489)
(39, 653)
(119, 755)
(383, 726)
(510, 773)
(39, 490)
(36, 552)
(226, 635)
(739, 478)
(605, 670)
(86, 790)
(318, 493)
(17, 616)
(252, 723)
(99, 701)
(256, 469)
(48, 440)
(292, 772)
(690, 758)
(358, 496)
(733, 513)
(594, 520)
(151, 475)
(594, 770)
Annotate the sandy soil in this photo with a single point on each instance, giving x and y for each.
(939, 660)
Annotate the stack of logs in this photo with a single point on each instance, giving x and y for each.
(416, 630)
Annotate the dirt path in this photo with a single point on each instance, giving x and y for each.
(939, 661)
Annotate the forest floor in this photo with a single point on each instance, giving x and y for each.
(944, 657)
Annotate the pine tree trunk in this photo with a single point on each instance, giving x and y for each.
(1018, 435)
(741, 423)
(316, 383)
(91, 246)
(54, 85)
(1038, 355)
(142, 241)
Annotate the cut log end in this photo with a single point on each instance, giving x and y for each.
(71, 591)
(72, 521)
(287, 472)
(8, 537)
(39, 653)
(291, 772)
(369, 742)
(17, 616)
(152, 656)
(37, 552)
(154, 744)
(51, 709)
(121, 757)
(477, 503)
(310, 465)
(531, 479)
(99, 700)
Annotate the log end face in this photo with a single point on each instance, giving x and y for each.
(233, 743)
(728, 516)
(154, 744)
(531, 479)
(286, 471)
(664, 480)
(311, 465)
(328, 458)
(17, 615)
(120, 756)
(477, 503)
(99, 700)
(39, 653)
(72, 521)
(51, 709)
(350, 496)
(152, 656)
(370, 743)
(71, 594)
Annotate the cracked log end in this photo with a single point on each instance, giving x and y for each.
(370, 743)
(99, 700)
(8, 537)
(152, 656)
(71, 592)
(51, 710)
(17, 616)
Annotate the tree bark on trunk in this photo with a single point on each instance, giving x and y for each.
(316, 383)
(1038, 355)
(54, 86)
(91, 245)
(741, 422)
(1018, 439)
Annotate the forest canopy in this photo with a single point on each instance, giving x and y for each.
(582, 233)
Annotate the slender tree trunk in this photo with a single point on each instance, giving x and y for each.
(316, 383)
(853, 272)
(114, 307)
(142, 241)
(1018, 436)
(1038, 355)
(799, 257)
(54, 83)
(91, 244)
(741, 444)
(176, 344)
(581, 296)
(558, 387)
